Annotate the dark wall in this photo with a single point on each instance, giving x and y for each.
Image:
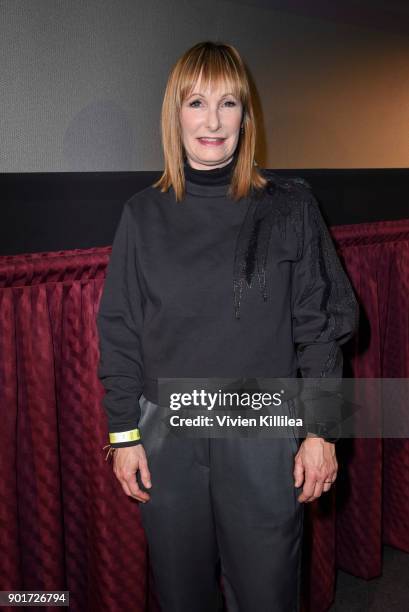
(58, 211)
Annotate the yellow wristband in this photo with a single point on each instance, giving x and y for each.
(124, 436)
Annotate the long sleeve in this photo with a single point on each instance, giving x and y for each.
(119, 324)
(325, 316)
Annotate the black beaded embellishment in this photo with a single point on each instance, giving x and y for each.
(277, 202)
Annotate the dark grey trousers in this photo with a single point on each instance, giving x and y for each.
(229, 501)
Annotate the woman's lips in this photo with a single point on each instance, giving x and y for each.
(211, 142)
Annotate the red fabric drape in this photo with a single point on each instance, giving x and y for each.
(371, 494)
(376, 509)
(65, 522)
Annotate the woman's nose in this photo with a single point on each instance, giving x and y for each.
(213, 119)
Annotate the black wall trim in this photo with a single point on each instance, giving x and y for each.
(70, 210)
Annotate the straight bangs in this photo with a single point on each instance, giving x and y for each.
(212, 69)
(212, 64)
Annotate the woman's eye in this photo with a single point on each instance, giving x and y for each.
(194, 103)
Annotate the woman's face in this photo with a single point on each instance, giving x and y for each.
(210, 122)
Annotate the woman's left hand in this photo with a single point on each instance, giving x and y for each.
(315, 465)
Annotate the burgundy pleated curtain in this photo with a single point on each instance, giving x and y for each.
(370, 503)
(65, 523)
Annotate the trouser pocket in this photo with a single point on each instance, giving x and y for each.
(292, 429)
(151, 426)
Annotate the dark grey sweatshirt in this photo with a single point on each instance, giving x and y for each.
(210, 287)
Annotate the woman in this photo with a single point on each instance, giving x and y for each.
(220, 269)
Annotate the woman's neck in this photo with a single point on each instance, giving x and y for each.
(213, 176)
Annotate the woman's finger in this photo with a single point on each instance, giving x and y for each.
(317, 490)
(145, 474)
(125, 487)
(134, 489)
(326, 486)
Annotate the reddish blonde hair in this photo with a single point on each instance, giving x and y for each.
(218, 63)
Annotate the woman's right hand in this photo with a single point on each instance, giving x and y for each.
(127, 461)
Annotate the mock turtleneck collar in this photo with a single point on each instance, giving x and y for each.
(214, 176)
